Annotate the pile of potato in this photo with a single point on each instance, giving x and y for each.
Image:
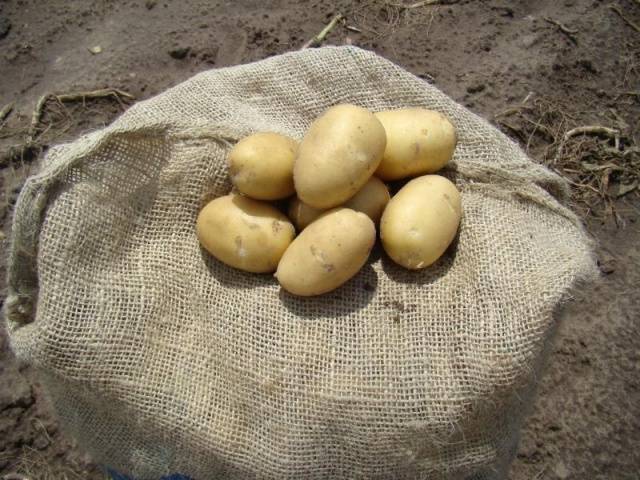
(335, 178)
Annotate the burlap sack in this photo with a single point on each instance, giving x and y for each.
(160, 359)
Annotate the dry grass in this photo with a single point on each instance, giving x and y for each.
(56, 118)
(32, 464)
(381, 18)
(602, 163)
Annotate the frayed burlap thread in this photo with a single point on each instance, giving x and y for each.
(160, 359)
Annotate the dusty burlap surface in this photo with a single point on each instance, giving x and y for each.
(161, 359)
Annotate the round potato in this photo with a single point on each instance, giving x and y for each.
(337, 155)
(327, 253)
(261, 166)
(244, 233)
(302, 214)
(420, 221)
(419, 141)
(370, 200)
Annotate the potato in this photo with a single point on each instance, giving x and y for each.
(244, 233)
(302, 214)
(370, 200)
(419, 141)
(420, 221)
(327, 253)
(337, 155)
(261, 166)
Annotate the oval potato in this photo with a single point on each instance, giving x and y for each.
(327, 253)
(302, 214)
(371, 199)
(261, 166)
(244, 233)
(419, 141)
(337, 155)
(420, 221)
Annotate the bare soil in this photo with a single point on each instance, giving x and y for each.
(488, 55)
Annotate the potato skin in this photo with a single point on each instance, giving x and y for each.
(244, 233)
(370, 199)
(302, 214)
(420, 221)
(419, 141)
(337, 155)
(261, 166)
(327, 253)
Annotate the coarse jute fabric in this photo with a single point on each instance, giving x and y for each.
(160, 359)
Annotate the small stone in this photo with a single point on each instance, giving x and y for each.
(150, 4)
(96, 50)
(561, 470)
(527, 448)
(504, 11)
(476, 88)
(587, 65)
(606, 263)
(41, 442)
(5, 27)
(179, 53)
(554, 427)
(607, 268)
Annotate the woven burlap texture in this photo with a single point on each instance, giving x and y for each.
(160, 359)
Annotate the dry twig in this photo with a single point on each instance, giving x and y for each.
(319, 38)
(588, 130)
(409, 6)
(569, 32)
(70, 97)
(31, 147)
(616, 9)
(6, 110)
(592, 130)
(15, 476)
(101, 93)
(513, 110)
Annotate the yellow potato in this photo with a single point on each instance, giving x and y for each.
(419, 141)
(327, 253)
(302, 214)
(420, 221)
(261, 166)
(244, 233)
(337, 155)
(371, 199)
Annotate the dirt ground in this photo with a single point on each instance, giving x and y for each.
(567, 63)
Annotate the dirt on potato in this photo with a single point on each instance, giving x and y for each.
(534, 69)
